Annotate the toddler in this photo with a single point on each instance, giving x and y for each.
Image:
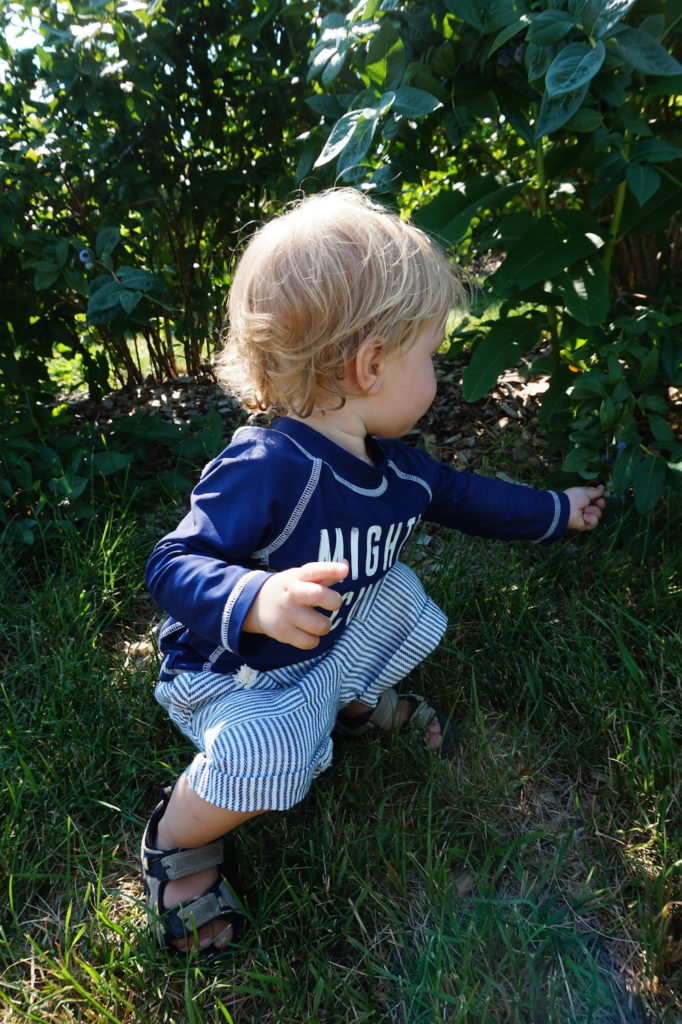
(291, 614)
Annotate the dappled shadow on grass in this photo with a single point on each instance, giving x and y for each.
(525, 881)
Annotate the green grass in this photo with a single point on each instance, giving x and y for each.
(533, 879)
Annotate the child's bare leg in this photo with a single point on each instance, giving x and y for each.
(189, 822)
(433, 729)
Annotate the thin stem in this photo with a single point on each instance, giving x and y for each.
(615, 226)
(552, 321)
(619, 202)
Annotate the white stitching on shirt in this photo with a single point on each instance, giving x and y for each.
(408, 476)
(555, 520)
(374, 492)
(229, 607)
(307, 494)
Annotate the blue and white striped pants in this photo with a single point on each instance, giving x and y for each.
(264, 736)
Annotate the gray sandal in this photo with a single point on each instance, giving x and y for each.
(184, 920)
(382, 719)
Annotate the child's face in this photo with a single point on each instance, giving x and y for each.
(408, 383)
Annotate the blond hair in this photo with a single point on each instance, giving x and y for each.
(315, 283)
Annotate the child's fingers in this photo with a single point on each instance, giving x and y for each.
(592, 515)
(314, 595)
(323, 572)
(305, 628)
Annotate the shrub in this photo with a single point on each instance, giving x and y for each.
(540, 138)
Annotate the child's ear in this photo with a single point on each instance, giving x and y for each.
(366, 368)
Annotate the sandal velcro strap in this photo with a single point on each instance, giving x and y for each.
(171, 864)
(159, 867)
(219, 902)
(421, 711)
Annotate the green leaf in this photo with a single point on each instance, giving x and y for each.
(507, 33)
(104, 303)
(356, 148)
(642, 181)
(654, 151)
(449, 215)
(412, 102)
(325, 106)
(626, 460)
(585, 291)
(110, 462)
(341, 134)
(656, 213)
(130, 300)
(69, 486)
(467, 11)
(598, 17)
(590, 384)
(555, 402)
(46, 275)
(648, 480)
(553, 243)
(106, 241)
(331, 50)
(661, 429)
(574, 67)
(385, 61)
(609, 173)
(537, 59)
(548, 27)
(648, 369)
(502, 347)
(555, 111)
(586, 120)
(580, 460)
(137, 279)
(644, 53)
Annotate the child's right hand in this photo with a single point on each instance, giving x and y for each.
(284, 607)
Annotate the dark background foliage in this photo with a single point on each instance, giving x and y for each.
(538, 139)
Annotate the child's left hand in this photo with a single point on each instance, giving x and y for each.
(587, 504)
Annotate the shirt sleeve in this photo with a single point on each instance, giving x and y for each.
(204, 573)
(489, 507)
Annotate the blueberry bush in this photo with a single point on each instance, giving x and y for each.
(542, 141)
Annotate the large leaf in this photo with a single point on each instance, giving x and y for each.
(598, 17)
(467, 11)
(507, 33)
(104, 302)
(385, 61)
(621, 476)
(656, 212)
(357, 146)
(574, 67)
(502, 347)
(548, 27)
(648, 480)
(413, 102)
(555, 111)
(642, 181)
(585, 291)
(610, 171)
(141, 280)
(552, 244)
(641, 51)
(655, 151)
(341, 134)
(331, 50)
(106, 241)
(449, 215)
(555, 406)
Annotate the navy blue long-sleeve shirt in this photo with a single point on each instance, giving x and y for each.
(278, 498)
